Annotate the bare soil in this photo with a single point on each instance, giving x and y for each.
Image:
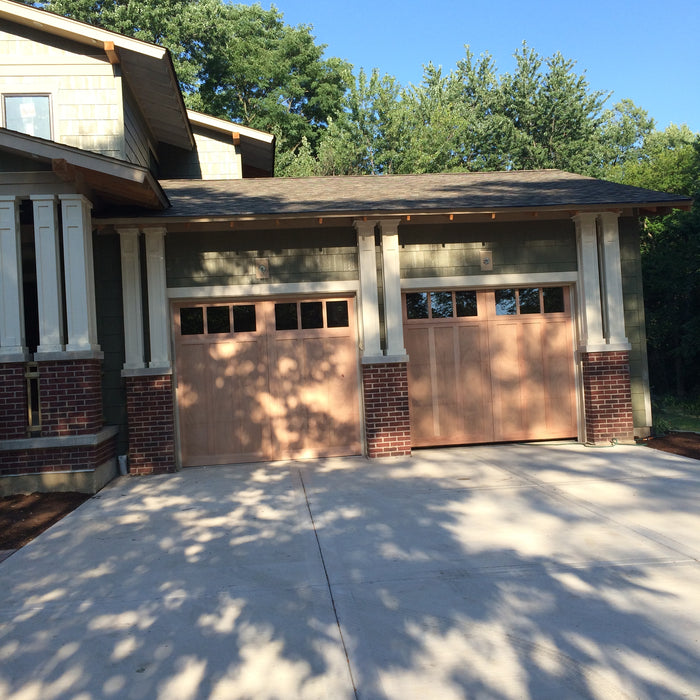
(23, 517)
(679, 443)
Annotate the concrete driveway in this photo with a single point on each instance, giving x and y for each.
(517, 571)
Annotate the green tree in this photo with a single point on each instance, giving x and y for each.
(238, 62)
(669, 161)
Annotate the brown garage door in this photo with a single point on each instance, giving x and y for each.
(265, 380)
(490, 366)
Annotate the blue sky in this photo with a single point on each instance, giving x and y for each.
(646, 51)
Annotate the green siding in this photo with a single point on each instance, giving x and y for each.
(634, 315)
(226, 258)
(110, 333)
(454, 249)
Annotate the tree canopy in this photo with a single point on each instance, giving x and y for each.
(238, 62)
(246, 64)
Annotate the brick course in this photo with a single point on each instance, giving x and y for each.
(70, 394)
(387, 421)
(607, 397)
(149, 403)
(57, 459)
(13, 401)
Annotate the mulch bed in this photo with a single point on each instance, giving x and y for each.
(23, 517)
(685, 444)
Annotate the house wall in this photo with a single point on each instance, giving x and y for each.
(634, 318)
(110, 333)
(85, 89)
(226, 258)
(454, 249)
(136, 140)
(214, 158)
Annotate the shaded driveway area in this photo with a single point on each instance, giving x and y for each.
(518, 571)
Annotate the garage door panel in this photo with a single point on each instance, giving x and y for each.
(504, 372)
(264, 393)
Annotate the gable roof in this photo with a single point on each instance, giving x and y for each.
(396, 195)
(257, 147)
(114, 181)
(147, 67)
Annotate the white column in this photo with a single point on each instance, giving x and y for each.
(12, 342)
(392, 287)
(131, 297)
(369, 297)
(590, 315)
(79, 274)
(612, 279)
(48, 274)
(157, 297)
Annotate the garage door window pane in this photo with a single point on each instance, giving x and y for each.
(466, 303)
(505, 302)
(417, 305)
(286, 316)
(244, 318)
(553, 300)
(312, 314)
(218, 319)
(529, 300)
(192, 321)
(441, 304)
(337, 314)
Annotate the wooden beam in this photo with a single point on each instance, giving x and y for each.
(111, 51)
(236, 138)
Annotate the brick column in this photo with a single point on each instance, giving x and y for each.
(70, 394)
(149, 404)
(13, 401)
(607, 397)
(387, 422)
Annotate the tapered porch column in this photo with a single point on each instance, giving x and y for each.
(79, 274)
(369, 298)
(391, 270)
(157, 297)
(48, 274)
(12, 341)
(131, 297)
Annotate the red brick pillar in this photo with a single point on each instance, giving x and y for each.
(13, 401)
(70, 396)
(607, 397)
(387, 422)
(150, 413)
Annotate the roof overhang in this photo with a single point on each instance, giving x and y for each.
(257, 147)
(147, 68)
(113, 181)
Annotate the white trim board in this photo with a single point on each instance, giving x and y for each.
(503, 280)
(265, 290)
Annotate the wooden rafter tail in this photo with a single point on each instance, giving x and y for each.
(111, 51)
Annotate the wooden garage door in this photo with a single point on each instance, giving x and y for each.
(266, 380)
(490, 366)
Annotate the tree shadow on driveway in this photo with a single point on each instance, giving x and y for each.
(500, 572)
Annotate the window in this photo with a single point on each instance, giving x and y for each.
(28, 114)
(529, 300)
(440, 304)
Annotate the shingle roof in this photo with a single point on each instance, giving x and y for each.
(394, 194)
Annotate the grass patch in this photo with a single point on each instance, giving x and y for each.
(671, 413)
